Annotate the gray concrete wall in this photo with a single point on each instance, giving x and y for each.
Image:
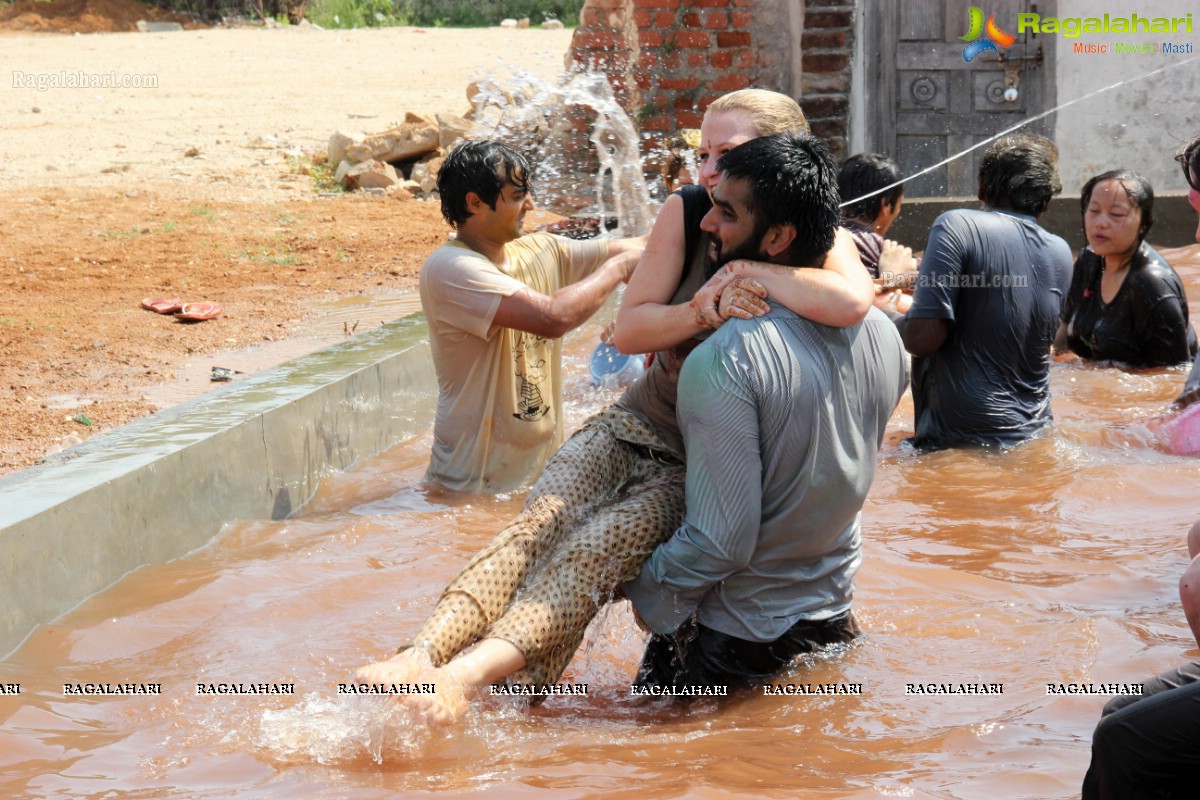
(1139, 125)
(158, 488)
(1174, 220)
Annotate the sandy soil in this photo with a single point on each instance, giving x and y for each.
(101, 205)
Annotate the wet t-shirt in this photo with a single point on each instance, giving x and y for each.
(1145, 325)
(1000, 279)
(499, 412)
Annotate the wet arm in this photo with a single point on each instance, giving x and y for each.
(646, 321)
(839, 295)
(553, 315)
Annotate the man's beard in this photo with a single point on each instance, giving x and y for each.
(750, 249)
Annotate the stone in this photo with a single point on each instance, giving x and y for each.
(359, 152)
(338, 143)
(523, 22)
(411, 139)
(339, 175)
(508, 23)
(452, 129)
(425, 171)
(410, 186)
(370, 175)
(158, 27)
(552, 25)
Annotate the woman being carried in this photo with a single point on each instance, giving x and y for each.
(615, 489)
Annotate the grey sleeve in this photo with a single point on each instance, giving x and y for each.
(719, 418)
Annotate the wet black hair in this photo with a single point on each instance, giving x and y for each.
(481, 166)
(1140, 193)
(1019, 172)
(793, 181)
(865, 173)
(1189, 157)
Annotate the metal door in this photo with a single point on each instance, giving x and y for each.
(926, 101)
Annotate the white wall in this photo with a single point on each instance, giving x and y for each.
(1140, 124)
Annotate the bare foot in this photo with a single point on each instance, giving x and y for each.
(449, 699)
(404, 667)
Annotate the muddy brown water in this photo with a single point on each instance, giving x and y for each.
(1054, 563)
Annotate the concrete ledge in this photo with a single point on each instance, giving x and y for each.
(158, 488)
(1174, 220)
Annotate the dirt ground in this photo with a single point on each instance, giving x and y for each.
(197, 189)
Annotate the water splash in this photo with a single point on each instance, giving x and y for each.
(345, 729)
(535, 116)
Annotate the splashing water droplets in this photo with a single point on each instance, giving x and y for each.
(541, 119)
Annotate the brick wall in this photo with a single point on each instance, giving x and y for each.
(668, 59)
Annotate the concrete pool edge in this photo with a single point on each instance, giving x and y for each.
(160, 487)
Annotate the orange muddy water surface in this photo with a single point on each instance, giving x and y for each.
(1017, 573)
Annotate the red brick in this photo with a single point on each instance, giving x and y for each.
(824, 39)
(745, 3)
(658, 122)
(691, 39)
(706, 100)
(608, 4)
(598, 39)
(742, 19)
(650, 39)
(827, 128)
(710, 3)
(697, 60)
(641, 19)
(664, 19)
(647, 62)
(672, 62)
(717, 20)
(733, 39)
(826, 106)
(675, 84)
(688, 119)
(722, 59)
(824, 62)
(730, 82)
(591, 16)
(744, 58)
(652, 4)
(828, 19)
(691, 20)
(642, 79)
(683, 102)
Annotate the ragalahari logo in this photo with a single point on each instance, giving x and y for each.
(992, 33)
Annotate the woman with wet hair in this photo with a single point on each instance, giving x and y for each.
(1126, 304)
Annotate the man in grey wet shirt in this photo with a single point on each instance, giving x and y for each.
(987, 303)
(782, 419)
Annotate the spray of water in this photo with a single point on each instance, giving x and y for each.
(538, 117)
(341, 730)
(1020, 125)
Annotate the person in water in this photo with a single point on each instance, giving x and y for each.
(1145, 745)
(1126, 303)
(1189, 157)
(868, 220)
(783, 419)
(497, 303)
(987, 303)
(519, 609)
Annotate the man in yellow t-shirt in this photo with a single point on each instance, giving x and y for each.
(497, 303)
